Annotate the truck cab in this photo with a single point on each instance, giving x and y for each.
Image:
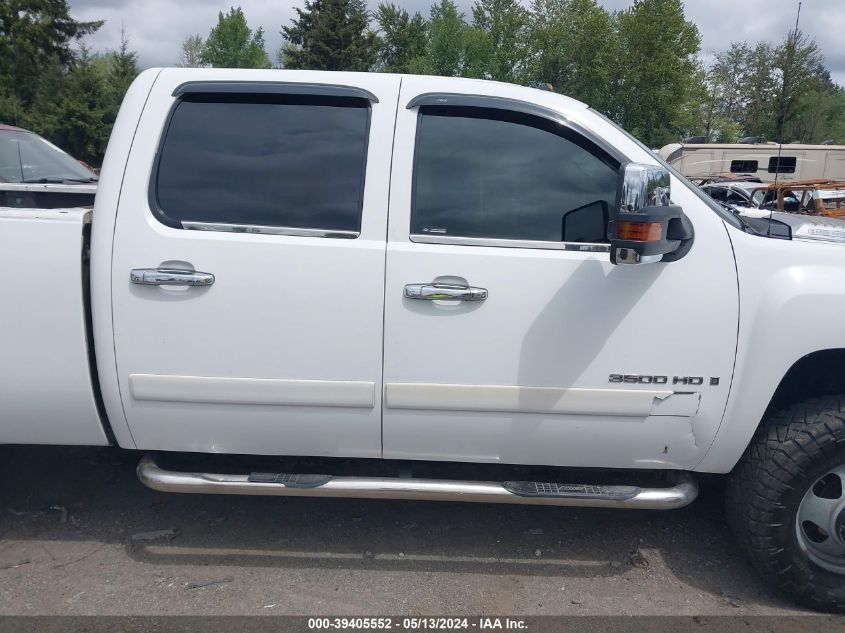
(409, 273)
(395, 275)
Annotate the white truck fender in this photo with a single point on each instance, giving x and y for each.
(779, 300)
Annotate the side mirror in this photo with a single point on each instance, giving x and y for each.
(645, 226)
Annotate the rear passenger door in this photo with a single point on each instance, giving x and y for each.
(248, 266)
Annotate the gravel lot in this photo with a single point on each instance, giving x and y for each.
(68, 517)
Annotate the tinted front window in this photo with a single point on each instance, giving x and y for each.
(494, 174)
(277, 160)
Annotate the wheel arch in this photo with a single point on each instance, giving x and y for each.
(810, 376)
(791, 293)
(817, 373)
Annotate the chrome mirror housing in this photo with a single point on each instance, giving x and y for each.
(646, 226)
(644, 186)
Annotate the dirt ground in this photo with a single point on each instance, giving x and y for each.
(80, 535)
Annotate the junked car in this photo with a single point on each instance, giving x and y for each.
(809, 197)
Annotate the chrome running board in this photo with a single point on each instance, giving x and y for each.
(682, 493)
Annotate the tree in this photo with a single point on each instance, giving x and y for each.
(723, 93)
(232, 44)
(659, 71)
(757, 114)
(499, 46)
(75, 110)
(799, 64)
(574, 47)
(740, 93)
(781, 92)
(191, 56)
(75, 106)
(727, 79)
(34, 35)
(330, 35)
(403, 39)
(820, 113)
(122, 70)
(446, 42)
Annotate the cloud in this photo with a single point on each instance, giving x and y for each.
(156, 28)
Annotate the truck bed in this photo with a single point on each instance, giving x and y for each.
(47, 395)
(46, 195)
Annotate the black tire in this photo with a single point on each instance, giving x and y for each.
(791, 450)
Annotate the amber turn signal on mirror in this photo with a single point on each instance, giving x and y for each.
(640, 231)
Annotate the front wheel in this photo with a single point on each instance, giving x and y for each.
(786, 501)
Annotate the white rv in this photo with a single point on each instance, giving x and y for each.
(767, 161)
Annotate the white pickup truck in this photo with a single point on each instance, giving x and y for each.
(424, 274)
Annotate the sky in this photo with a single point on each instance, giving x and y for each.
(156, 28)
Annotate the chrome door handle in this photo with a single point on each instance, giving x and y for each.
(434, 292)
(169, 277)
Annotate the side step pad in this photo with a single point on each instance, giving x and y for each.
(573, 491)
(682, 493)
(290, 480)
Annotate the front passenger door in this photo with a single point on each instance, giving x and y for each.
(505, 322)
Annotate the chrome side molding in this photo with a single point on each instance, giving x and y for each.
(682, 493)
(268, 230)
(579, 247)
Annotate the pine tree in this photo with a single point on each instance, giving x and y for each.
(330, 35)
(34, 35)
(75, 110)
(123, 68)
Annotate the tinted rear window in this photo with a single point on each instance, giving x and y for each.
(268, 160)
(743, 166)
(782, 165)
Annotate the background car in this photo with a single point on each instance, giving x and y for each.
(34, 173)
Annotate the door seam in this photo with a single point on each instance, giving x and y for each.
(111, 259)
(384, 273)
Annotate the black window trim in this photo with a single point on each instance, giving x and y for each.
(254, 88)
(507, 105)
